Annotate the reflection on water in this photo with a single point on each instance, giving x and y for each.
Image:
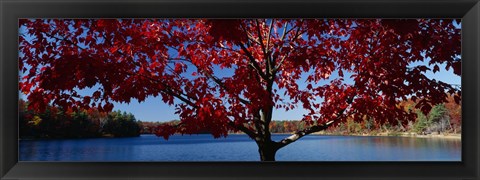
(341, 148)
(241, 148)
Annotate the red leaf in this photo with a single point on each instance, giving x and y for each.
(457, 99)
(309, 86)
(436, 68)
(340, 73)
(457, 67)
(113, 49)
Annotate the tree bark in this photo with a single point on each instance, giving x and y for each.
(267, 150)
(299, 134)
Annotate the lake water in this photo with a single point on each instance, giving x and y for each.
(240, 148)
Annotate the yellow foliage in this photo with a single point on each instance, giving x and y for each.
(35, 120)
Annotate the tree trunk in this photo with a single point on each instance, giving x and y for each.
(267, 151)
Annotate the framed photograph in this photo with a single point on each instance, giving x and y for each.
(240, 89)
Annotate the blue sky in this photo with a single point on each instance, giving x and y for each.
(153, 109)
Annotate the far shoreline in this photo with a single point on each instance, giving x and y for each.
(412, 135)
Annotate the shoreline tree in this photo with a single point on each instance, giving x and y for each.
(224, 75)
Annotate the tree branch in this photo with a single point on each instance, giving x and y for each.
(277, 66)
(261, 39)
(299, 134)
(63, 39)
(257, 121)
(253, 62)
(249, 36)
(214, 78)
(285, 31)
(169, 90)
(244, 129)
(266, 51)
(269, 35)
(222, 85)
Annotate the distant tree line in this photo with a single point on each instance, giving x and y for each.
(152, 127)
(443, 118)
(56, 122)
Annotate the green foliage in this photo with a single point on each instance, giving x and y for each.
(122, 125)
(369, 124)
(422, 122)
(437, 120)
(437, 113)
(56, 123)
(353, 127)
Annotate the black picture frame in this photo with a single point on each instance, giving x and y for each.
(467, 10)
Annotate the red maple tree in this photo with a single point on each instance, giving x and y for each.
(229, 75)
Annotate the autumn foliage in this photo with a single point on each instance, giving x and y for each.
(229, 75)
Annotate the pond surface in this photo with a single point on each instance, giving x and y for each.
(204, 147)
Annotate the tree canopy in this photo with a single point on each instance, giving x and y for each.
(230, 74)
